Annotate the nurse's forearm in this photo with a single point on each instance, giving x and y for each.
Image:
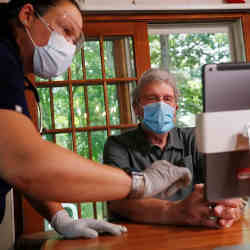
(46, 171)
(46, 209)
(65, 176)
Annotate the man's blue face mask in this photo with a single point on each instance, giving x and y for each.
(159, 117)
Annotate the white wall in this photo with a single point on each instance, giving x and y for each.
(161, 5)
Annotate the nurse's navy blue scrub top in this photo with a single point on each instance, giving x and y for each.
(11, 93)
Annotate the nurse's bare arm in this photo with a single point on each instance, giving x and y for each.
(46, 171)
(46, 209)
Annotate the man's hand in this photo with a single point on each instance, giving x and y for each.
(229, 211)
(197, 212)
(164, 176)
(88, 228)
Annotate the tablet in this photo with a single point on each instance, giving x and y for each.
(226, 87)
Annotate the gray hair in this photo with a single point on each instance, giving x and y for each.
(154, 75)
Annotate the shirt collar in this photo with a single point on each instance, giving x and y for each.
(143, 144)
(174, 140)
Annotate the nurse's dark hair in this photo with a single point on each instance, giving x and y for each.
(9, 12)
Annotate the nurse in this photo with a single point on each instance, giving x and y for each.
(41, 37)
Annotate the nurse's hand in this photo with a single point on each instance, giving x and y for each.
(162, 176)
(88, 228)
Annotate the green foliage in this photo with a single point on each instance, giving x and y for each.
(186, 54)
(92, 60)
(88, 208)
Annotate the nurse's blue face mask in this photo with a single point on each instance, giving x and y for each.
(158, 117)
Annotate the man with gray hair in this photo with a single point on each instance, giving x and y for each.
(156, 139)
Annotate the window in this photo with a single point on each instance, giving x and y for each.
(84, 106)
(184, 48)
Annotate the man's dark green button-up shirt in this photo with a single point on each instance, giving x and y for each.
(132, 151)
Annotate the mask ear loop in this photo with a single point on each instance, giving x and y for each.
(29, 35)
(44, 22)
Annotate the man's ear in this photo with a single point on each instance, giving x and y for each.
(136, 109)
(176, 107)
(138, 112)
(27, 15)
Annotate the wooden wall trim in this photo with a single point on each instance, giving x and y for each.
(246, 33)
(166, 17)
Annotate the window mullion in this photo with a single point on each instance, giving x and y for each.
(52, 112)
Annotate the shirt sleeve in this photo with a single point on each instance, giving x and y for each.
(116, 154)
(12, 83)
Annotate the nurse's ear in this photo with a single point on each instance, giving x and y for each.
(27, 15)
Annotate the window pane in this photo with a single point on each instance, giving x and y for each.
(99, 208)
(65, 140)
(48, 137)
(79, 107)
(45, 105)
(82, 144)
(120, 102)
(87, 210)
(92, 60)
(39, 79)
(62, 77)
(98, 139)
(97, 112)
(119, 57)
(113, 105)
(62, 107)
(183, 54)
(130, 45)
(109, 59)
(76, 67)
(115, 132)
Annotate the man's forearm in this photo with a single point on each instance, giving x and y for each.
(147, 210)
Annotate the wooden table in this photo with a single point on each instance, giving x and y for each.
(156, 237)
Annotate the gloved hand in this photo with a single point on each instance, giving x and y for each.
(164, 176)
(88, 228)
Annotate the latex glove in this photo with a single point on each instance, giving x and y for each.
(164, 176)
(88, 228)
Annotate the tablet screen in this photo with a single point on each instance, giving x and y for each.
(226, 87)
